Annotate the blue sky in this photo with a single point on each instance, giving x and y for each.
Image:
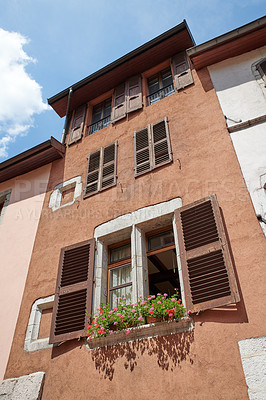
(47, 45)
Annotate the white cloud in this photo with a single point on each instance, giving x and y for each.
(20, 95)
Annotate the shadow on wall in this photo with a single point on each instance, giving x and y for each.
(169, 350)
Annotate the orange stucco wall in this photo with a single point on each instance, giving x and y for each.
(202, 364)
(17, 234)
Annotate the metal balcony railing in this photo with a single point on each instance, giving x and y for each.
(99, 125)
(160, 94)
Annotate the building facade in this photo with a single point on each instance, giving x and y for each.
(148, 198)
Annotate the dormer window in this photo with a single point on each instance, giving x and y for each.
(101, 116)
(160, 86)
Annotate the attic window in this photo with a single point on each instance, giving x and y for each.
(101, 116)
(160, 86)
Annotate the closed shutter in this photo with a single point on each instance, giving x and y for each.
(93, 173)
(109, 166)
(206, 264)
(182, 72)
(77, 124)
(142, 151)
(134, 93)
(161, 143)
(73, 295)
(119, 103)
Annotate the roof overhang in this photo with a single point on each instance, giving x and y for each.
(139, 60)
(246, 38)
(31, 159)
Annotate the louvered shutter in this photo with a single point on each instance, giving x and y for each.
(119, 103)
(93, 173)
(161, 143)
(73, 295)
(109, 158)
(142, 151)
(206, 264)
(77, 124)
(182, 72)
(134, 93)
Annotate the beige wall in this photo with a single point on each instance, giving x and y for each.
(17, 235)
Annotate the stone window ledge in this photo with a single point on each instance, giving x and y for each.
(143, 332)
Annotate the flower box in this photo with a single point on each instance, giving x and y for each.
(140, 332)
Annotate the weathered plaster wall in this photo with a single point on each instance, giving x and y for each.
(17, 234)
(243, 97)
(204, 363)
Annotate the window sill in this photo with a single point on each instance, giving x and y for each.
(143, 332)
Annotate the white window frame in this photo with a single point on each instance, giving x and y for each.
(132, 225)
(57, 194)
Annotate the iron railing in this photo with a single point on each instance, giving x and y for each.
(160, 94)
(103, 123)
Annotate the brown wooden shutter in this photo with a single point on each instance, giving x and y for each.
(119, 103)
(73, 295)
(93, 173)
(134, 93)
(109, 160)
(206, 264)
(161, 143)
(77, 124)
(142, 151)
(182, 72)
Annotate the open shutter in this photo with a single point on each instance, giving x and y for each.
(206, 264)
(93, 173)
(119, 103)
(108, 177)
(161, 143)
(77, 124)
(261, 67)
(182, 72)
(134, 93)
(73, 294)
(142, 151)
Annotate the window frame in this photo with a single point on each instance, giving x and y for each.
(159, 76)
(101, 120)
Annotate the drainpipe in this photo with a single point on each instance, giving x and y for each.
(67, 116)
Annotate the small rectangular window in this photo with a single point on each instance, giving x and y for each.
(120, 274)
(160, 240)
(101, 116)
(160, 86)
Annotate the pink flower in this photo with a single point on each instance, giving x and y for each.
(124, 298)
(143, 302)
(133, 310)
(158, 294)
(115, 323)
(189, 312)
(128, 332)
(153, 296)
(165, 295)
(152, 308)
(111, 332)
(140, 318)
(159, 302)
(145, 306)
(173, 300)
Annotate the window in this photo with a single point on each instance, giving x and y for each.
(119, 273)
(4, 200)
(198, 260)
(66, 193)
(101, 116)
(261, 67)
(160, 86)
(127, 98)
(77, 126)
(101, 169)
(152, 147)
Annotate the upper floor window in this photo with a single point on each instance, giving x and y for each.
(101, 116)
(101, 169)
(261, 67)
(160, 86)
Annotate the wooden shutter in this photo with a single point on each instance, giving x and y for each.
(134, 93)
(73, 295)
(93, 173)
(182, 72)
(207, 269)
(261, 66)
(119, 103)
(142, 151)
(161, 143)
(109, 160)
(77, 124)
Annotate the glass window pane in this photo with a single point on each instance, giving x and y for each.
(96, 113)
(120, 276)
(167, 78)
(107, 108)
(153, 85)
(161, 240)
(125, 292)
(120, 253)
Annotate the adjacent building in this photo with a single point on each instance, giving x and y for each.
(148, 198)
